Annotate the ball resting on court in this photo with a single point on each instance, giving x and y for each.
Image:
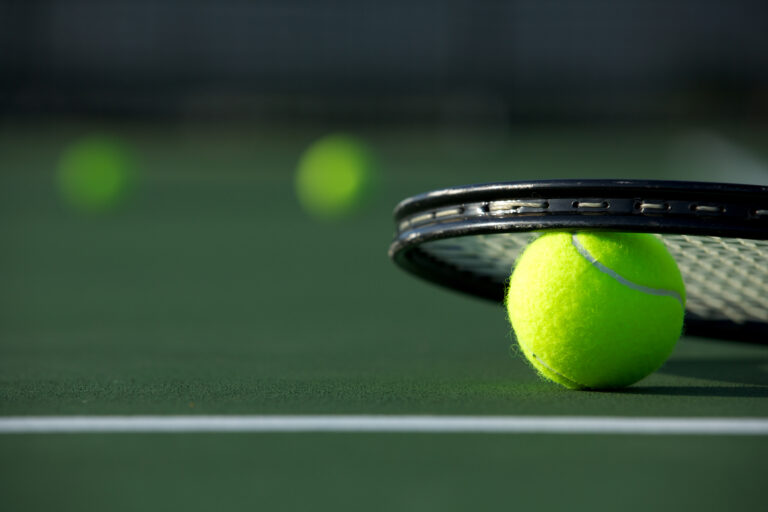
(596, 310)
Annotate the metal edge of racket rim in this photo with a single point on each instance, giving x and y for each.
(405, 251)
(542, 189)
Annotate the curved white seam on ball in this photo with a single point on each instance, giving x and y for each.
(626, 282)
(545, 365)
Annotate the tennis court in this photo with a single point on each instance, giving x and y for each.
(210, 294)
(208, 301)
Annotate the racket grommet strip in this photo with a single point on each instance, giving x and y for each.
(707, 208)
(517, 206)
(651, 207)
(591, 205)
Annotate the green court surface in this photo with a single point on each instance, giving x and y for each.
(209, 292)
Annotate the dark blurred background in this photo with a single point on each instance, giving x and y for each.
(452, 61)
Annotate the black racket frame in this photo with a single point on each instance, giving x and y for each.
(674, 207)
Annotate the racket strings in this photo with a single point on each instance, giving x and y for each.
(726, 278)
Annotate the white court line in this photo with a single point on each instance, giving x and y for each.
(393, 424)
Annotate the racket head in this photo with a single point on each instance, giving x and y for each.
(468, 238)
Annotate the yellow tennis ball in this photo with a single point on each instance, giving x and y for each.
(596, 310)
(95, 173)
(334, 177)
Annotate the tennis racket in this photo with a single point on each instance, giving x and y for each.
(468, 238)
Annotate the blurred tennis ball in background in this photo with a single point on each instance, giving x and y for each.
(596, 310)
(335, 176)
(95, 173)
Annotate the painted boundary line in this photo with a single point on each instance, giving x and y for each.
(384, 424)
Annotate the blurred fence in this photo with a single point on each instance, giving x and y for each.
(525, 59)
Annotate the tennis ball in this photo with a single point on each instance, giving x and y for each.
(596, 310)
(334, 177)
(94, 173)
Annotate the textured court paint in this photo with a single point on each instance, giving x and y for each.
(392, 424)
(155, 353)
(582, 327)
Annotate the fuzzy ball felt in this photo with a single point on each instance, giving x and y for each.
(596, 310)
